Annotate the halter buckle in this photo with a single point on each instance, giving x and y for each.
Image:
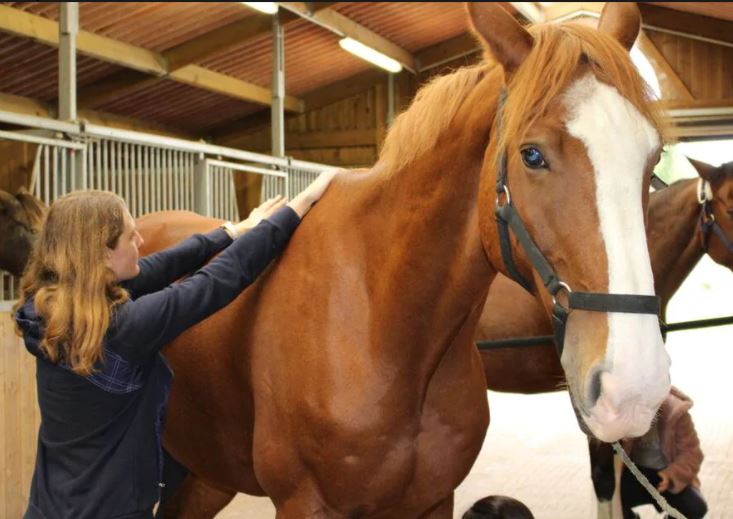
(563, 286)
(508, 195)
(704, 191)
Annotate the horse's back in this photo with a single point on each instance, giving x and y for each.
(164, 229)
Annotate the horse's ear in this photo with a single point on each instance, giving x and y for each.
(8, 203)
(622, 20)
(34, 208)
(508, 41)
(706, 171)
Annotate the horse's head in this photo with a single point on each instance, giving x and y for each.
(715, 194)
(20, 219)
(580, 139)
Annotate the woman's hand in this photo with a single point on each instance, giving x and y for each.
(264, 210)
(664, 484)
(302, 203)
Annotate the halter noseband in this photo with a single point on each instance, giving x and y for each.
(507, 218)
(707, 218)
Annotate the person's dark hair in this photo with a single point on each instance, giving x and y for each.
(498, 507)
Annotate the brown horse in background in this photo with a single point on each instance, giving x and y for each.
(333, 382)
(20, 218)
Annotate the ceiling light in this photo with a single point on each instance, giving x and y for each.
(263, 7)
(370, 55)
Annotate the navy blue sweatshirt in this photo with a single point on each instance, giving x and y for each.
(99, 444)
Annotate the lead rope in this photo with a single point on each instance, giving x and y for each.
(659, 498)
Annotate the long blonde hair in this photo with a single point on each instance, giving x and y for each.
(74, 288)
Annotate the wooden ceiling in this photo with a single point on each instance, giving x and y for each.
(201, 68)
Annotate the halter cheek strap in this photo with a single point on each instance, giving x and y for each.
(508, 218)
(707, 223)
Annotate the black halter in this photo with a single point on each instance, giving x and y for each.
(708, 224)
(508, 218)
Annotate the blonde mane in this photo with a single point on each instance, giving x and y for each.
(416, 130)
(551, 65)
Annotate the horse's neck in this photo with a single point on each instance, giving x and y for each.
(434, 265)
(673, 239)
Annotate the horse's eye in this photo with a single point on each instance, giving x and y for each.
(533, 159)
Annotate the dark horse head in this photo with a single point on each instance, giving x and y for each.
(20, 218)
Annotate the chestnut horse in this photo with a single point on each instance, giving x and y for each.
(345, 381)
(676, 244)
(680, 232)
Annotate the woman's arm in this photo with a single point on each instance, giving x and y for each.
(143, 326)
(160, 269)
(684, 468)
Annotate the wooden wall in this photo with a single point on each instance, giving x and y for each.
(19, 420)
(705, 68)
(347, 132)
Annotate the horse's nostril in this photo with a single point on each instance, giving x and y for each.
(594, 387)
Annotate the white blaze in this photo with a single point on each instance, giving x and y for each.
(619, 141)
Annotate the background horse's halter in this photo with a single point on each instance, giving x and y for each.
(507, 217)
(707, 218)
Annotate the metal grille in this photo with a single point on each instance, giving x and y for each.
(299, 177)
(223, 193)
(149, 178)
(220, 175)
(151, 172)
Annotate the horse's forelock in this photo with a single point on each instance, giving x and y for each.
(552, 65)
(545, 74)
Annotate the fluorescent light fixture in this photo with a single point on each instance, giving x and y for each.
(263, 7)
(370, 55)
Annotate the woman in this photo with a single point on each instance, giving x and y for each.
(669, 455)
(96, 318)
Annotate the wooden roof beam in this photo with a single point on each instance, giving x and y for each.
(38, 28)
(346, 27)
(190, 52)
(654, 18)
(223, 38)
(685, 24)
(29, 106)
(447, 51)
(312, 100)
(220, 39)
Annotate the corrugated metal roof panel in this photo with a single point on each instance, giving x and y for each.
(31, 69)
(313, 58)
(411, 25)
(153, 25)
(721, 10)
(178, 105)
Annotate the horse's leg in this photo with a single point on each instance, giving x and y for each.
(441, 510)
(197, 499)
(602, 475)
